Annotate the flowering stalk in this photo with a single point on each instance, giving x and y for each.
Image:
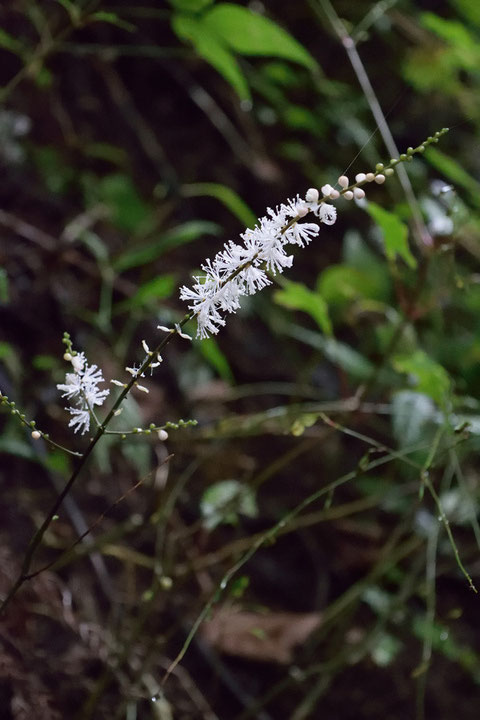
(240, 270)
(236, 271)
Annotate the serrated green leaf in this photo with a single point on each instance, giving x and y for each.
(249, 33)
(298, 297)
(212, 49)
(429, 377)
(395, 234)
(177, 236)
(226, 196)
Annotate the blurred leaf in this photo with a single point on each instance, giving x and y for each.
(395, 234)
(57, 461)
(226, 196)
(190, 5)
(454, 172)
(444, 642)
(341, 284)
(429, 377)
(341, 354)
(215, 357)
(470, 10)
(414, 416)
(213, 50)
(55, 172)
(456, 34)
(298, 297)
(248, 33)
(8, 42)
(12, 445)
(159, 288)
(385, 649)
(4, 296)
(357, 254)
(177, 236)
(129, 211)
(224, 501)
(45, 362)
(112, 19)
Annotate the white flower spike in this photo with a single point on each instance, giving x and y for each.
(81, 388)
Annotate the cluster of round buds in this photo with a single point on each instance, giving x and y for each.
(382, 172)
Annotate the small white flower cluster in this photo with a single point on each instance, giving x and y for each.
(81, 387)
(135, 372)
(242, 269)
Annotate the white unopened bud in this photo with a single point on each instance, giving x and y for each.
(360, 177)
(343, 181)
(380, 179)
(302, 210)
(334, 195)
(312, 195)
(359, 193)
(348, 195)
(326, 190)
(36, 434)
(67, 357)
(370, 177)
(162, 435)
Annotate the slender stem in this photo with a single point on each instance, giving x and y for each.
(24, 574)
(423, 237)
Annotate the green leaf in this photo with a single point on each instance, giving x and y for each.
(129, 211)
(395, 234)
(4, 295)
(177, 236)
(112, 19)
(215, 357)
(454, 172)
(159, 288)
(226, 196)
(298, 297)
(463, 43)
(357, 254)
(224, 501)
(8, 42)
(470, 10)
(341, 354)
(248, 33)
(430, 378)
(213, 50)
(342, 284)
(190, 6)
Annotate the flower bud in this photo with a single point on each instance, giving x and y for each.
(380, 179)
(343, 181)
(162, 435)
(359, 193)
(370, 177)
(360, 177)
(348, 195)
(36, 434)
(312, 195)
